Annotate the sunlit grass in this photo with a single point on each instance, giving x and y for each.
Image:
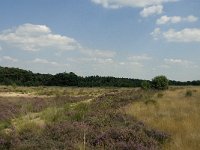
(174, 112)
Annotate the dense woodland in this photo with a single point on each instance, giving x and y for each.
(15, 76)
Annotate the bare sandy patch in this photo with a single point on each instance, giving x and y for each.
(25, 95)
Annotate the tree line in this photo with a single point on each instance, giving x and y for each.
(20, 77)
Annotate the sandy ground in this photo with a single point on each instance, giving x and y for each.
(13, 94)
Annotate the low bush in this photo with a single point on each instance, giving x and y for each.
(188, 93)
(160, 83)
(145, 85)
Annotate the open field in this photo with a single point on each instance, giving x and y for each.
(99, 118)
(175, 111)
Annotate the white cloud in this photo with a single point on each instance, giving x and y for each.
(114, 4)
(166, 19)
(175, 19)
(156, 33)
(143, 57)
(44, 61)
(1, 48)
(165, 66)
(31, 37)
(32, 29)
(98, 53)
(185, 35)
(148, 11)
(180, 62)
(122, 63)
(191, 18)
(176, 61)
(10, 59)
(91, 60)
(138, 60)
(104, 61)
(136, 64)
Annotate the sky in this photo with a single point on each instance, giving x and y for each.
(121, 38)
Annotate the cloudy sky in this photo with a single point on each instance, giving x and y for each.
(121, 38)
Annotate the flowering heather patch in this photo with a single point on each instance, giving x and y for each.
(73, 122)
(8, 110)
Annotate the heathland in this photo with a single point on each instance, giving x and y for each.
(99, 118)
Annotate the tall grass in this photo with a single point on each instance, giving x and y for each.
(174, 113)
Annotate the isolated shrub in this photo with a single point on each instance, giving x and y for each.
(188, 93)
(145, 85)
(160, 83)
(14, 85)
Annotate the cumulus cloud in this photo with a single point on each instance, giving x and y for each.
(185, 35)
(130, 3)
(10, 59)
(150, 7)
(175, 19)
(148, 11)
(32, 37)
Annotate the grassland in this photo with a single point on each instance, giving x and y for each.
(98, 118)
(175, 111)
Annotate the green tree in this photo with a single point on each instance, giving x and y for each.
(145, 85)
(160, 82)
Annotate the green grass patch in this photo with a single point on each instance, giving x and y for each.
(4, 125)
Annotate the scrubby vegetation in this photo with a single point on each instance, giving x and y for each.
(158, 83)
(145, 85)
(74, 118)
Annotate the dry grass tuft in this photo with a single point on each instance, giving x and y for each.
(174, 113)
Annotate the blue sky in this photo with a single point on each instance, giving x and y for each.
(121, 38)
